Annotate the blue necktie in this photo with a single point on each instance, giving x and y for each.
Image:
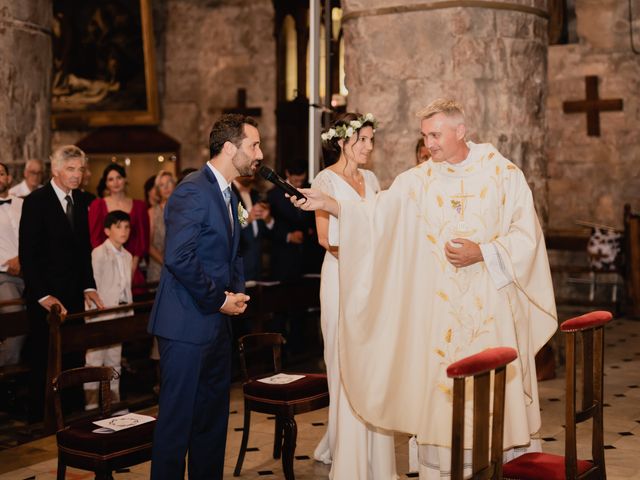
(226, 193)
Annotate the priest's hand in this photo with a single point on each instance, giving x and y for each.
(316, 200)
(462, 252)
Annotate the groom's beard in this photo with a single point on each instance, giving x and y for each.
(244, 165)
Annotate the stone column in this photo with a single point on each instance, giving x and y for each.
(25, 79)
(490, 56)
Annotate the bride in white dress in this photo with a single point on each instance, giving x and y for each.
(357, 451)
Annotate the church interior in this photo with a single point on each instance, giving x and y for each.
(552, 84)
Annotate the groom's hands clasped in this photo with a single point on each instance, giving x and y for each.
(235, 304)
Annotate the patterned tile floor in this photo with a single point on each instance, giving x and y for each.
(36, 460)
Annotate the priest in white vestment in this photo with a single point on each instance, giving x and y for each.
(446, 263)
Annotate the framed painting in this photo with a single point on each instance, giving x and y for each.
(103, 64)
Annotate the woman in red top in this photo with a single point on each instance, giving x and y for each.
(112, 188)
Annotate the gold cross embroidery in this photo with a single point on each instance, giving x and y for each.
(460, 200)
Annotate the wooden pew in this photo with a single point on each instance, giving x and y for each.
(13, 324)
(66, 337)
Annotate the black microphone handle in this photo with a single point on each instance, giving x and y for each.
(274, 178)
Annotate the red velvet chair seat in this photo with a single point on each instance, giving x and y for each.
(588, 320)
(484, 361)
(305, 388)
(534, 466)
(79, 436)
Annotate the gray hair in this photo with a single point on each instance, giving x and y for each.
(63, 154)
(33, 160)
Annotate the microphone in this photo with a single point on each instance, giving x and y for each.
(268, 174)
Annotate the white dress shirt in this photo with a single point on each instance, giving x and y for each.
(21, 190)
(60, 194)
(9, 226)
(124, 273)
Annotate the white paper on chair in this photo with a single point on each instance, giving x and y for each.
(124, 421)
(281, 379)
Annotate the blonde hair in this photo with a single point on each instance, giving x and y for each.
(449, 107)
(163, 173)
(63, 154)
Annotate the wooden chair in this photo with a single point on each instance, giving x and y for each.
(102, 453)
(631, 269)
(284, 401)
(546, 466)
(480, 366)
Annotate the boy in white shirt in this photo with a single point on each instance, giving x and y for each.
(112, 272)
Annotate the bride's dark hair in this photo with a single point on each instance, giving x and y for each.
(331, 149)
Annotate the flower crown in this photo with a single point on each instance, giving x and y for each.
(345, 131)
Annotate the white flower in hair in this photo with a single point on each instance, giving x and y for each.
(346, 131)
(329, 134)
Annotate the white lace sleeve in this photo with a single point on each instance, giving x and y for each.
(323, 183)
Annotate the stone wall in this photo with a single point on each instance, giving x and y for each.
(212, 49)
(25, 79)
(591, 178)
(492, 61)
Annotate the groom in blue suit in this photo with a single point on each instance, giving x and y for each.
(201, 286)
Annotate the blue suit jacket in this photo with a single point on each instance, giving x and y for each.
(201, 261)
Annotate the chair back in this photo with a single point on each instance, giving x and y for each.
(632, 260)
(479, 367)
(260, 353)
(590, 328)
(79, 376)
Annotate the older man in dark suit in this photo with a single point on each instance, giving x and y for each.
(55, 255)
(200, 287)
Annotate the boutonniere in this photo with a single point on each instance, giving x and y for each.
(243, 215)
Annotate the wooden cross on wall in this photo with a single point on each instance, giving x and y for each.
(242, 108)
(592, 105)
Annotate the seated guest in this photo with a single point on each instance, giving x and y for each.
(33, 173)
(11, 284)
(254, 227)
(113, 185)
(112, 271)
